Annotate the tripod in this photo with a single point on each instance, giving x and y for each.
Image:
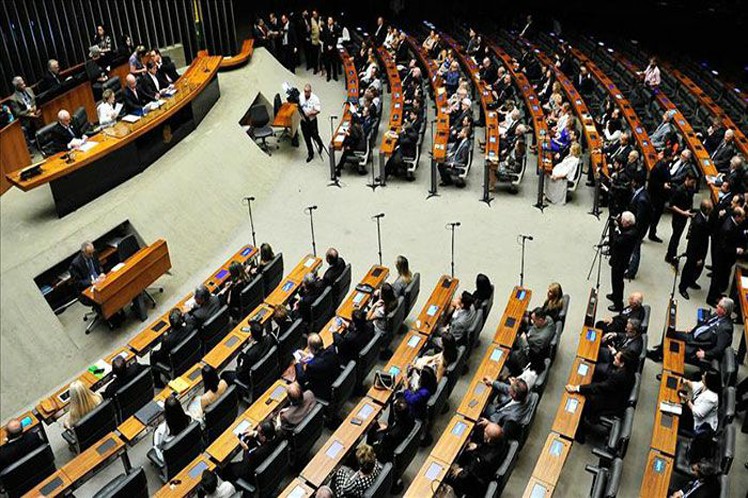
(251, 221)
(311, 210)
(598, 254)
(523, 240)
(451, 226)
(334, 181)
(378, 217)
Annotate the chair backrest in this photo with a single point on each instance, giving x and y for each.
(342, 388)
(411, 292)
(643, 354)
(277, 103)
(290, 341)
(645, 319)
(615, 472)
(29, 471)
(455, 369)
(724, 488)
(185, 354)
(134, 395)
(726, 408)
(272, 274)
(215, 329)
(395, 318)
(80, 119)
(221, 414)
(473, 332)
(341, 285)
(264, 372)
(406, 450)
(727, 449)
(251, 296)
(728, 367)
(542, 379)
(95, 425)
(321, 310)
(437, 401)
(258, 116)
(112, 84)
(367, 358)
(271, 472)
(507, 466)
(127, 246)
(488, 304)
(181, 450)
(132, 485)
(634, 395)
(44, 139)
(304, 435)
(382, 484)
(564, 308)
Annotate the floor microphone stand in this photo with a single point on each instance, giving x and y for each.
(251, 220)
(311, 209)
(523, 239)
(452, 227)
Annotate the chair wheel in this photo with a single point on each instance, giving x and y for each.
(85, 318)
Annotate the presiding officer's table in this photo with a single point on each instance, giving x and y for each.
(125, 150)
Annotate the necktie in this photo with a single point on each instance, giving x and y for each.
(91, 269)
(719, 149)
(707, 325)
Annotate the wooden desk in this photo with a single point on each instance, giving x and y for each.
(288, 287)
(286, 116)
(149, 337)
(224, 448)
(118, 288)
(240, 59)
(375, 277)
(589, 343)
(477, 394)
(665, 430)
(673, 355)
(433, 312)
(14, 154)
(627, 110)
(341, 442)
(352, 90)
(409, 348)
(79, 95)
(222, 354)
(538, 489)
(569, 410)
(297, 488)
(657, 475)
(127, 149)
(551, 460)
(188, 479)
(506, 331)
(389, 137)
(532, 102)
(453, 439)
(430, 476)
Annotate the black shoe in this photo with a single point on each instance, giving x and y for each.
(655, 238)
(654, 355)
(659, 376)
(670, 260)
(590, 184)
(609, 297)
(309, 158)
(615, 307)
(684, 293)
(695, 286)
(629, 276)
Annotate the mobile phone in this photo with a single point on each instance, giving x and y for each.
(246, 329)
(356, 421)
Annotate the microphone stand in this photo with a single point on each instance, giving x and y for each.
(311, 221)
(334, 181)
(251, 220)
(379, 237)
(598, 254)
(522, 260)
(452, 227)
(432, 190)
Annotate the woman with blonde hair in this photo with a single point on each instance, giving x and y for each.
(555, 187)
(554, 301)
(82, 402)
(404, 276)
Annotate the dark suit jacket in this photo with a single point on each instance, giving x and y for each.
(130, 373)
(148, 88)
(622, 246)
(133, 103)
(50, 82)
(698, 236)
(713, 341)
(254, 458)
(333, 272)
(253, 355)
(353, 341)
(658, 177)
(14, 450)
(200, 314)
(641, 206)
(17, 105)
(619, 321)
(459, 156)
(609, 395)
(304, 309)
(380, 33)
(80, 272)
(634, 346)
(320, 372)
(168, 68)
(171, 340)
(722, 156)
(584, 84)
(479, 466)
(62, 137)
(702, 489)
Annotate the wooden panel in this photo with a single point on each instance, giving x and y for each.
(375, 277)
(389, 138)
(297, 488)
(552, 458)
(14, 154)
(506, 330)
(429, 477)
(476, 396)
(538, 489)
(673, 355)
(589, 343)
(432, 313)
(567, 414)
(81, 95)
(406, 352)
(657, 475)
(452, 440)
(187, 481)
(241, 58)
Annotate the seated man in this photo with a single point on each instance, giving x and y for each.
(310, 289)
(724, 152)
(260, 344)
(257, 445)
(151, 86)
(354, 141)
(352, 339)
(535, 342)
(608, 396)
(705, 484)
(335, 267)
(664, 132)
(319, 368)
(23, 105)
(707, 341)
(617, 324)
(206, 305)
(167, 70)
(614, 342)
(18, 443)
(456, 159)
(512, 402)
(85, 270)
(300, 404)
(180, 326)
(463, 314)
(123, 373)
(65, 135)
(51, 81)
(96, 71)
(135, 99)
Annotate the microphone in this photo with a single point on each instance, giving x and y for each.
(528, 237)
(333, 117)
(310, 208)
(455, 224)
(380, 215)
(249, 198)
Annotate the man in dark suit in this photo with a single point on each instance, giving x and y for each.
(707, 341)
(681, 205)
(641, 206)
(64, 132)
(706, 482)
(584, 82)
(727, 245)
(85, 268)
(682, 167)
(724, 152)
(180, 326)
(18, 443)
(257, 445)
(134, 98)
(616, 342)
(335, 268)
(458, 157)
(123, 373)
(609, 395)
(696, 249)
(206, 305)
(658, 188)
(623, 239)
(51, 81)
(311, 288)
(620, 149)
(23, 105)
(150, 86)
(167, 70)
(288, 44)
(714, 135)
(260, 346)
(354, 338)
(319, 369)
(617, 324)
(381, 32)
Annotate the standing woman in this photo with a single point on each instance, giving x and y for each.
(102, 40)
(404, 276)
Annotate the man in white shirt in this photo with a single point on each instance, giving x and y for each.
(310, 108)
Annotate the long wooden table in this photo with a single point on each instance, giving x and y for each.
(389, 137)
(124, 150)
(240, 59)
(743, 301)
(14, 154)
(352, 94)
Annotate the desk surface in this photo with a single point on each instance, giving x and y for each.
(551, 460)
(570, 407)
(284, 116)
(453, 439)
(476, 396)
(743, 293)
(352, 90)
(409, 348)
(511, 319)
(396, 102)
(297, 488)
(538, 489)
(289, 285)
(657, 475)
(440, 299)
(429, 477)
(188, 479)
(673, 355)
(589, 343)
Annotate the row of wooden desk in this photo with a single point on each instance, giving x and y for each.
(352, 96)
(397, 109)
(457, 433)
(742, 290)
(368, 409)
(552, 458)
(661, 456)
(649, 154)
(700, 154)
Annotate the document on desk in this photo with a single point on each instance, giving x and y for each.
(131, 118)
(744, 282)
(671, 408)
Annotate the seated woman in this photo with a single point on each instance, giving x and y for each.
(416, 398)
(700, 404)
(213, 388)
(266, 256)
(212, 487)
(438, 362)
(452, 77)
(349, 483)
(175, 421)
(106, 111)
(82, 402)
(386, 302)
(482, 290)
(386, 436)
(554, 301)
(237, 282)
(281, 321)
(563, 172)
(430, 41)
(404, 276)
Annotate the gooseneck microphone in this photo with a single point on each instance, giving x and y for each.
(380, 215)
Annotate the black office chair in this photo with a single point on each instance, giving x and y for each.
(215, 329)
(411, 293)
(395, 319)
(542, 379)
(272, 274)
(29, 471)
(497, 485)
(526, 422)
(367, 358)
(341, 390)
(289, 341)
(91, 428)
(487, 304)
(80, 120)
(277, 103)
(321, 310)
(260, 130)
(44, 139)
(340, 286)
(304, 435)
(473, 332)
(134, 395)
(436, 405)
(268, 476)
(606, 482)
(114, 84)
(250, 297)
(261, 376)
(220, 415)
(181, 358)
(131, 485)
(404, 454)
(382, 484)
(178, 452)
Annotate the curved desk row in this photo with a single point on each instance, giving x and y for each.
(389, 138)
(352, 91)
(124, 150)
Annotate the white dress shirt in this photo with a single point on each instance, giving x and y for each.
(106, 113)
(307, 105)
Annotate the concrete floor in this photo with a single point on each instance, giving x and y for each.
(192, 198)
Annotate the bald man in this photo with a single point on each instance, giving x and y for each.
(135, 99)
(617, 324)
(335, 267)
(300, 404)
(63, 133)
(18, 444)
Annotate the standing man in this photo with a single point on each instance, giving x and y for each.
(381, 32)
(623, 239)
(641, 207)
(727, 245)
(681, 204)
(310, 108)
(329, 39)
(315, 52)
(288, 44)
(698, 245)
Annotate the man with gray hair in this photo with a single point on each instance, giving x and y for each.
(623, 240)
(23, 106)
(311, 288)
(64, 135)
(85, 270)
(51, 80)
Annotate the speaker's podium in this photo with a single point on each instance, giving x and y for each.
(128, 282)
